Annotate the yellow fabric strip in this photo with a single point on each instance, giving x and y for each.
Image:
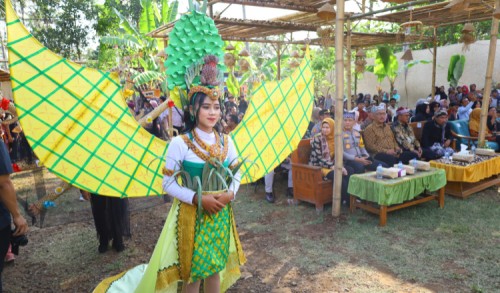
(472, 173)
(185, 233)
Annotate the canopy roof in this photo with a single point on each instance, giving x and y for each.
(440, 15)
(304, 18)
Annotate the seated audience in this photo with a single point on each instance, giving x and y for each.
(491, 121)
(466, 106)
(355, 154)
(453, 111)
(323, 153)
(380, 142)
(475, 121)
(392, 109)
(422, 113)
(403, 133)
(436, 136)
(433, 108)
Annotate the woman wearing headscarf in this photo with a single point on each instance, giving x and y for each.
(433, 108)
(323, 153)
(474, 121)
(421, 113)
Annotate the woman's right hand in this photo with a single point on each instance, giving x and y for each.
(211, 204)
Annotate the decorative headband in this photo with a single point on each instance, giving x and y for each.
(401, 111)
(213, 93)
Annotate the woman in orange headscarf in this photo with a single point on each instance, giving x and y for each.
(323, 153)
(474, 121)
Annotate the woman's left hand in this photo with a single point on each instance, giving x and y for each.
(225, 197)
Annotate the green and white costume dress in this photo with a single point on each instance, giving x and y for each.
(188, 249)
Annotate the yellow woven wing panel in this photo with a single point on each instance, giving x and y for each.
(77, 122)
(276, 120)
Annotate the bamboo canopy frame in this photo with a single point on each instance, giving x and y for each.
(432, 14)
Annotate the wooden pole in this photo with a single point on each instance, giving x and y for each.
(143, 121)
(348, 65)
(278, 52)
(488, 81)
(339, 107)
(434, 57)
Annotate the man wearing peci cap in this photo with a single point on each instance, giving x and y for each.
(404, 135)
(380, 141)
(436, 136)
(355, 154)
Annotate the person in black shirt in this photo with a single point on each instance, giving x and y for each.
(436, 136)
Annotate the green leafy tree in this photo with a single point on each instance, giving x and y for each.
(63, 26)
(134, 47)
(386, 65)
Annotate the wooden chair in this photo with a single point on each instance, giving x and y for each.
(417, 129)
(308, 183)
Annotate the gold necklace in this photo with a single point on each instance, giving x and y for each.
(213, 150)
(221, 157)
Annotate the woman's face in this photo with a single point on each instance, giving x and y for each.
(325, 129)
(492, 112)
(427, 109)
(208, 115)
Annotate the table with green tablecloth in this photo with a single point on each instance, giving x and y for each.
(381, 196)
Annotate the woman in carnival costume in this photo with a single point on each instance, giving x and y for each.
(199, 240)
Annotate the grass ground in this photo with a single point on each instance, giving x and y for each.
(289, 248)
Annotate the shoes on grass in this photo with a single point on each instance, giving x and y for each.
(270, 197)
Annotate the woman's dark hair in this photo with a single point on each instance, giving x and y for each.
(190, 124)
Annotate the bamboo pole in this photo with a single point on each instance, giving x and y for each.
(153, 114)
(434, 57)
(339, 107)
(278, 52)
(488, 81)
(348, 65)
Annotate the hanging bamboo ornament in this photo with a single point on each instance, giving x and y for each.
(229, 47)
(408, 56)
(360, 53)
(360, 65)
(468, 37)
(295, 54)
(229, 60)
(326, 12)
(244, 65)
(326, 35)
(244, 53)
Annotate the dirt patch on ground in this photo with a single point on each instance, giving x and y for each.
(289, 249)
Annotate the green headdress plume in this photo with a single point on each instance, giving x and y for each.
(193, 37)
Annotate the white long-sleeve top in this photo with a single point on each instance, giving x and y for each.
(178, 151)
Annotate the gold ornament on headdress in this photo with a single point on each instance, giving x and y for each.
(209, 78)
(213, 93)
